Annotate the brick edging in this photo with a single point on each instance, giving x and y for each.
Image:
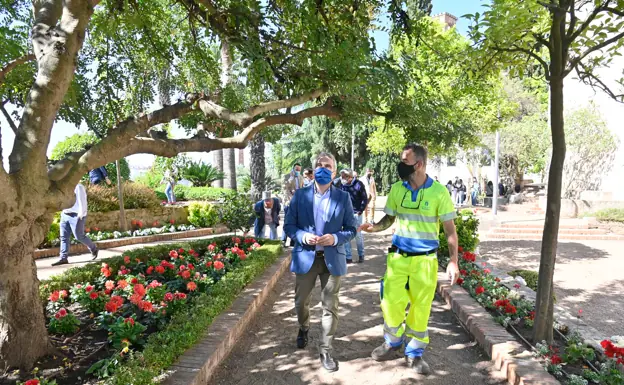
(507, 355)
(111, 243)
(198, 364)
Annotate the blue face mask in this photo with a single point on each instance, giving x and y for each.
(296, 172)
(322, 176)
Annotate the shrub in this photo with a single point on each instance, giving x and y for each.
(236, 212)
(186, 193)
(529, 276)
(202, 214)
(54, 233)
(136, 196)
(201, 174)
(467, 226)
(610, 215)
(150, 179)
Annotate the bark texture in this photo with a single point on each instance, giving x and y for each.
(257, 167)
(218, 164)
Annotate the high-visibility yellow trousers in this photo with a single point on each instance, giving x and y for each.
(408, 280)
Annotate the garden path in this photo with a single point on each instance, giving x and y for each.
(268, 354)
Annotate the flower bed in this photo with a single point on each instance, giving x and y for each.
(139, 231)
(568, 358)
(130, 318)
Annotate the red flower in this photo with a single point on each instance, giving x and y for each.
(150, 270)
(531, 315)
(140, 224)
(480, 290)
(63, 294)
(54, 296)
(181, 251)
(460, 249)
(236, 240)
(155, 224)
(117, 300)
(168, 297)
(191, 286)
(180, 296)
(122, 284)
(218, 265)
(87, 230)
(555, 359)
(61, 313)
(160, 269)
(460, 281)
(139, 289)
(110, 285)
(93, 295)
(487, 271)
(510, 309)
(497, 279)
(126, 260)
(517, 286)
(136, 299)
(185, 274)
(469, 257)
(209, 264)
(219, 256)
(173, 254)
(172, 221)
(463, 272)
(105, 270)
(134, 281)
(111, 307)
(129, 320)
(133, 222)
(108, 292)
(89, 288)
(32, 382)
(146, 306)
(154, 284)
(212, 246)
(190, 266)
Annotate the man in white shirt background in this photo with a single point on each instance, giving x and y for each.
(73, 221)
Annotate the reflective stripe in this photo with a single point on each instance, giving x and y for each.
(389, 211)
(414, 334)
(417, 217)
(393, 336)
(448, 217)
(416, 234)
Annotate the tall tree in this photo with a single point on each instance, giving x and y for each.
(257, 166)
(552, 39)
(319, 50)
(229, 157)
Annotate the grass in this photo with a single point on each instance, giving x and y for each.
(186, 328)
(610, 215)
(529, 276)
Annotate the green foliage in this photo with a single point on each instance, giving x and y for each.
(64, 324)
(126, 329)
(106, 367)
(467, 226)
(236, 212)
(576, 351)
(243, 181)
(202, 214)
(529, 276)
(186, 193)
(152, 180)
(103, 199)
(610, 215)
(201, 174)
(54, 233)
(591, 149)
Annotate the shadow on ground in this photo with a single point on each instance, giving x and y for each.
(268, 355)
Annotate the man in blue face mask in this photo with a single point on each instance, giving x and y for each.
(293, 181)
(321, 221)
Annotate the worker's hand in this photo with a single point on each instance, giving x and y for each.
(452, 271)
(365, 227)
(108, 181)
(326, 240)
(310, 239)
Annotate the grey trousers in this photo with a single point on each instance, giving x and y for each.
(330, 286)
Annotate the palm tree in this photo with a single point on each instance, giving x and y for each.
(201, 174)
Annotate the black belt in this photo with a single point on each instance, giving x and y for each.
(73, 215)
(319, 254)
(394, 249)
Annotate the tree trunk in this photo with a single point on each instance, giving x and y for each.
(543, 327)
(229, 166)
(257, 167)
(23, 333)
(122, 213)
(218, 164)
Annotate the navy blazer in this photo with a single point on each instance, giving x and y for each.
(300, 220)
(259, 209)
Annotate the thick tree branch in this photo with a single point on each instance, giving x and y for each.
(123, 140)
(8, 118)
(14, 63)
(576, 60)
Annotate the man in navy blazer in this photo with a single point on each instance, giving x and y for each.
(321, 221)
(267, 214)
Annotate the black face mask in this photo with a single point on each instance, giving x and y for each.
(405, 170)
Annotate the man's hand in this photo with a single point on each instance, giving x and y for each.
(325, 240)
(452, 271)
(365, 227)
(108, 181)
(310, 239)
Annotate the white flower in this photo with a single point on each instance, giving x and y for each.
(117, 234)
(513, 295)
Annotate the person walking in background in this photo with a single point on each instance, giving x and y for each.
(489, 189)
(411, 276)
(99, 175)
(455, 190)
(371, 191)
(267, 214)
(73, 221)
(321, 221)
(293, 181)
(308, 177)
(461, 194)
(170, 180)
(449, 187)
(474, 191)
(357, 191)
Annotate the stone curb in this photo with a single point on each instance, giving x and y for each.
(507, 355)
(198, 364)
(111, 243)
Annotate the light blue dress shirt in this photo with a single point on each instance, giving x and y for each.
(321, 213)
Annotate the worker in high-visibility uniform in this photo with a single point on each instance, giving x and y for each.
(418, 203)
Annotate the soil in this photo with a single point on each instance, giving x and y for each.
(611, 227)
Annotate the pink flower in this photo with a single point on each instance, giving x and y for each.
(487, 271)
(517, 286)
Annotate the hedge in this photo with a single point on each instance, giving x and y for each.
(187, 327)
(186, 193)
